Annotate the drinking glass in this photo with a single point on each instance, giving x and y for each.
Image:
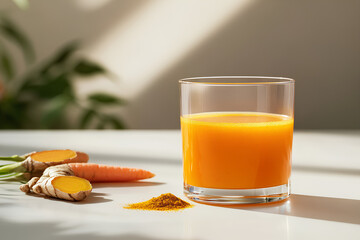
(237, 134)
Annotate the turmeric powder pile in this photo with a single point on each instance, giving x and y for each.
(165, 202)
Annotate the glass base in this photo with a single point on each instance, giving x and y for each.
(237, 196)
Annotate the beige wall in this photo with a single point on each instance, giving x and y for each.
(151, 44)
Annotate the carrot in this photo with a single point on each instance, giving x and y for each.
(98, 172)
(35, 163)
(104, 173)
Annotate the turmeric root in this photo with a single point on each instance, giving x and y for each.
(39, 161)
(63, 187)
(59, 184)
(33, 164)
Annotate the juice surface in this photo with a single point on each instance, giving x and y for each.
(236, 150)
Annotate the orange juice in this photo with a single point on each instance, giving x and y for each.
(237, 150)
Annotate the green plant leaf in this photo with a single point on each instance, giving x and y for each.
(61, 57)
(104, 98)
(11, 31)
(45, 74)
(101, 124)
(87, 68)
(12, 112)
(51, 87)
(22, 4)
(6, 66)
(116, 122)
(86, 118)
(55, 110)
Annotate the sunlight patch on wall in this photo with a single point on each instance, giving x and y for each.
(90, 5)
(158, 35)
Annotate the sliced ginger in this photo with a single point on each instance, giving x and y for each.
(53, 155)
(71, 184)
(33, 164)
(39, 161)
(64, 187)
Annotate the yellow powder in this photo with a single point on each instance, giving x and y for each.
(165, 202)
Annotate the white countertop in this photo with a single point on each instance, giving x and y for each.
(325, 201)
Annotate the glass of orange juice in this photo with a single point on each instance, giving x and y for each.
(237, 137)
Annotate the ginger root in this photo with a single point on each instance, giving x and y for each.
(59, 182)
(64, 187)
(37, 162)
(33, 164)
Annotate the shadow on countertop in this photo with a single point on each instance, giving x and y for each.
(314, 207)
(44, 230)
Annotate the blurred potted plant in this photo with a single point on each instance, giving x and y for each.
(39, 98)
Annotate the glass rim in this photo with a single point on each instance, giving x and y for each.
(237, 80)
